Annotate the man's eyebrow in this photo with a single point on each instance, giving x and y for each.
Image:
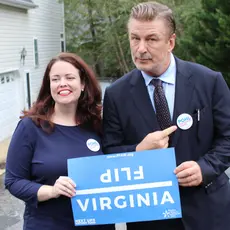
(149, 35)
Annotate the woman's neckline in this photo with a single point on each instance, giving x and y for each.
(68, 126)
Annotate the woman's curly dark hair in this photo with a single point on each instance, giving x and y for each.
(89, 107)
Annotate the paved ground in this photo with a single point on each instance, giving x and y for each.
(10, 210)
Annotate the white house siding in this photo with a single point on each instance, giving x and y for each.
(10, 21)
(46, 24)
(18, 27)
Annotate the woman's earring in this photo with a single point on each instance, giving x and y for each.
(82, 90)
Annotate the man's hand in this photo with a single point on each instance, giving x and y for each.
(156, 140)
(189, 174)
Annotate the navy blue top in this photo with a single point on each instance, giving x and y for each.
(36, 158)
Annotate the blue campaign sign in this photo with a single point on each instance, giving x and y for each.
(125, 187)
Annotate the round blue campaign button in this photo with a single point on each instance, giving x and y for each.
(184, 121)
(93, 145)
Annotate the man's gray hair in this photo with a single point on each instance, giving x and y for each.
(148, 11)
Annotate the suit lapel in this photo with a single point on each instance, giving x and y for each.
(141, 99)
(183, 94)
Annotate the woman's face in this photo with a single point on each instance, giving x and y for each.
(65, 83)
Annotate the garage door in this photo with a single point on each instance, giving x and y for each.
(10, 102)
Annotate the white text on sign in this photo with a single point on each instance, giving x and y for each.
(139, 200)
(122, 201)
(110, 176)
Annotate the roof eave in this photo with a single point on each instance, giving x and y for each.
(19, 4)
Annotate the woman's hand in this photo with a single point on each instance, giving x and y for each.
(64, 186)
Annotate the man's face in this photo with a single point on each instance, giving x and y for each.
(151, 44)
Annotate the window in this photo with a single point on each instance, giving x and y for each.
(7, 77)
(2, 79)
(36, 56)
(12, 76)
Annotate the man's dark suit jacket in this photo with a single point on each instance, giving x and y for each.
(128, 117)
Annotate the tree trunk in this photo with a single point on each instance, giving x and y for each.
(93, 33)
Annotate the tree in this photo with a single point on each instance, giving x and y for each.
(96, 30)
(206, 39)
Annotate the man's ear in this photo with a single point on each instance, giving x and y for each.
(172, 42)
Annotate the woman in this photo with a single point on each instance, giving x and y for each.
(66, 114)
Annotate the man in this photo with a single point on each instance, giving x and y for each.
(138, 109)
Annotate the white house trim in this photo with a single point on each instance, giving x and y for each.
(19, 4)
(8, 70)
